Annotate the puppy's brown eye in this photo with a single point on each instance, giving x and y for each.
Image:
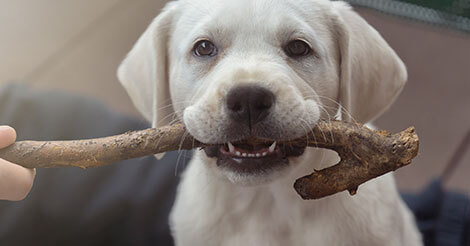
(205, 48)
(297, 48)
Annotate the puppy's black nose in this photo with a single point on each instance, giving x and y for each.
(249, 104)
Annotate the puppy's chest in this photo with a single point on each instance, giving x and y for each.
(251, 218)
(267, 224)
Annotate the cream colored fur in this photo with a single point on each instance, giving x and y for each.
(353, 67)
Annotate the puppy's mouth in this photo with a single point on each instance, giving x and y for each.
(253, 156)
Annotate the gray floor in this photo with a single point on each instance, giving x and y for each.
(77, 46)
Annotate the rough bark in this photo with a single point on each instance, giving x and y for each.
(365, 154)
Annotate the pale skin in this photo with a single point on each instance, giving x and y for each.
(15, 181)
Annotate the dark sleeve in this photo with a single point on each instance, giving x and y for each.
(126, 203)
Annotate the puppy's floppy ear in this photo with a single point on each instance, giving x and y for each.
(144, 72)
(371, 73)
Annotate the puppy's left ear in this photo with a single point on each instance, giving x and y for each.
(144, 72)
(371, 73)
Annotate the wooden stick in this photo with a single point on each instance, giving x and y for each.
(365, 154)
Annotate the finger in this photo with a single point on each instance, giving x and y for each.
(7, 136)
(15, 181)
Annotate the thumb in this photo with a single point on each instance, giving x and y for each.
(7, 136)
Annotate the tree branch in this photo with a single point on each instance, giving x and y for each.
(365, 154)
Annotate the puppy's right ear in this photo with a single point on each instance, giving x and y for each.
(144, 72)
(371, 73)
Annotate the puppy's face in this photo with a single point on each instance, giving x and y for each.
(245, 74)
(246, 78)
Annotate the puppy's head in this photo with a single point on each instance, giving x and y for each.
(245, 74)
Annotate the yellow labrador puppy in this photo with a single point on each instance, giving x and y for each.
(234, 70)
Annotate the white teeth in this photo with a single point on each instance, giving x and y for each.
(231, 148)
(272, 147)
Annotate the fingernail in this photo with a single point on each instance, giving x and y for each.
(5, 128)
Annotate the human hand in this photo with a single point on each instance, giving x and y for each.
(15, 181)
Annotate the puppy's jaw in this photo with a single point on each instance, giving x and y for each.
(268, 175)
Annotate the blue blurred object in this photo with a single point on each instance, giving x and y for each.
(443, 217)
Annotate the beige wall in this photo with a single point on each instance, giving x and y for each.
(77, 46)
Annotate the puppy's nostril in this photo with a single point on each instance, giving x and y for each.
(249, 104)
(234, 104)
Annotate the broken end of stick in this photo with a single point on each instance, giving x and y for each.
(412, 141)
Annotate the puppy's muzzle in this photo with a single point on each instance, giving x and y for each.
(249, 104)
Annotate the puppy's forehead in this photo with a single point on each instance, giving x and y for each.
(253, 18)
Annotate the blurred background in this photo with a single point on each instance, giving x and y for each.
(77, 46)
